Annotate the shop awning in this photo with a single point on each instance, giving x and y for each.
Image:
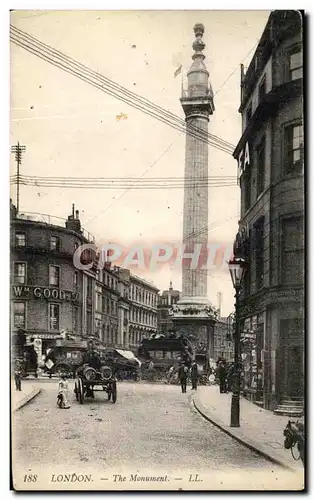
(128, 355)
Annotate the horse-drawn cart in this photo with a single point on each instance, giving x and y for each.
(87, 379)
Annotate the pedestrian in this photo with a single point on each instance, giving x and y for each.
(170, 373)
(62, 399)
(222, 374)
(18, 375)
(194, 375)
(183, 374)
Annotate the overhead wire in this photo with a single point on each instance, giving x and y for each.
(47, 53)
(128, 92)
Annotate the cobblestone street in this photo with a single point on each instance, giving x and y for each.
(149, 424)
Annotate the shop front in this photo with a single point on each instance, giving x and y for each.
(252, 355)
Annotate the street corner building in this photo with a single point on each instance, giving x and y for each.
(53, 300)
(50, 297)
(270, 156)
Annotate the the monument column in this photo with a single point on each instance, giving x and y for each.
(193, 312)
(198, 105)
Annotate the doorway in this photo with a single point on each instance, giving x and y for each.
(291, 365)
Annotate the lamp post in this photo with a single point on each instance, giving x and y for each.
(237, 268)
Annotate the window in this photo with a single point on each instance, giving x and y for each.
(259, 252)
(20, 239)
(20, 273)
(292, 267)
(54, 317)
(54, 275)
(19, 310)
(98, 299)
(75, 319)
(108, 306)
(89, 287)
(295, 64)
(260, 165)
(248, 114)
(262, 89)
(89, 323)
(293, 148)
(54, 243)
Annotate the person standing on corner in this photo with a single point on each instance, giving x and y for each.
(18, 375)
(222, 373)
(183, 374)
(194, 375)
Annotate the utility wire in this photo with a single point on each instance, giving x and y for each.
(118, 179)
(25, 41)
(117, 86)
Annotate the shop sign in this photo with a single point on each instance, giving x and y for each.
(243, 160)
(46, 336)
(44, 293)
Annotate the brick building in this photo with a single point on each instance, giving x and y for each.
(270, 159)
(165, 302)
(49, 295)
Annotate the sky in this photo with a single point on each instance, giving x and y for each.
(70, 128)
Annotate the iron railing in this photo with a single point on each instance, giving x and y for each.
(52, 220)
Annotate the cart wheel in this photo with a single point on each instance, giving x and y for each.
(76, 390)
(81, 391)
(114, 392)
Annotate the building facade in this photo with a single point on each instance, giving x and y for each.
(106, 318)
(270, 156)
(50, 297)
(143, 298)
(223, 340)
(166, 300)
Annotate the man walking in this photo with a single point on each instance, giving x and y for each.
(194, 375)
(222, 373)
(183, 373)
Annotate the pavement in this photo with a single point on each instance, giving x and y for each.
(260, 430)
(152, 427)
(29, 390)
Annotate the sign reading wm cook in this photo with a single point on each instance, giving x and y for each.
(44, 293)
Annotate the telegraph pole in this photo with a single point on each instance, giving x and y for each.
(18, 150)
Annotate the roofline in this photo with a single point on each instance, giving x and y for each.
(44, 225)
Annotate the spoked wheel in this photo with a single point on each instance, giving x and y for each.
(80, 391)
(76, 390)
(114, 391)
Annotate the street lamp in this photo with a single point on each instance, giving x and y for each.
(237, 268)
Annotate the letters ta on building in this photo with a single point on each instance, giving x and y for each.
(53, 301)
(270, 154)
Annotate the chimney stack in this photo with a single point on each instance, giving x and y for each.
(73, 223)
